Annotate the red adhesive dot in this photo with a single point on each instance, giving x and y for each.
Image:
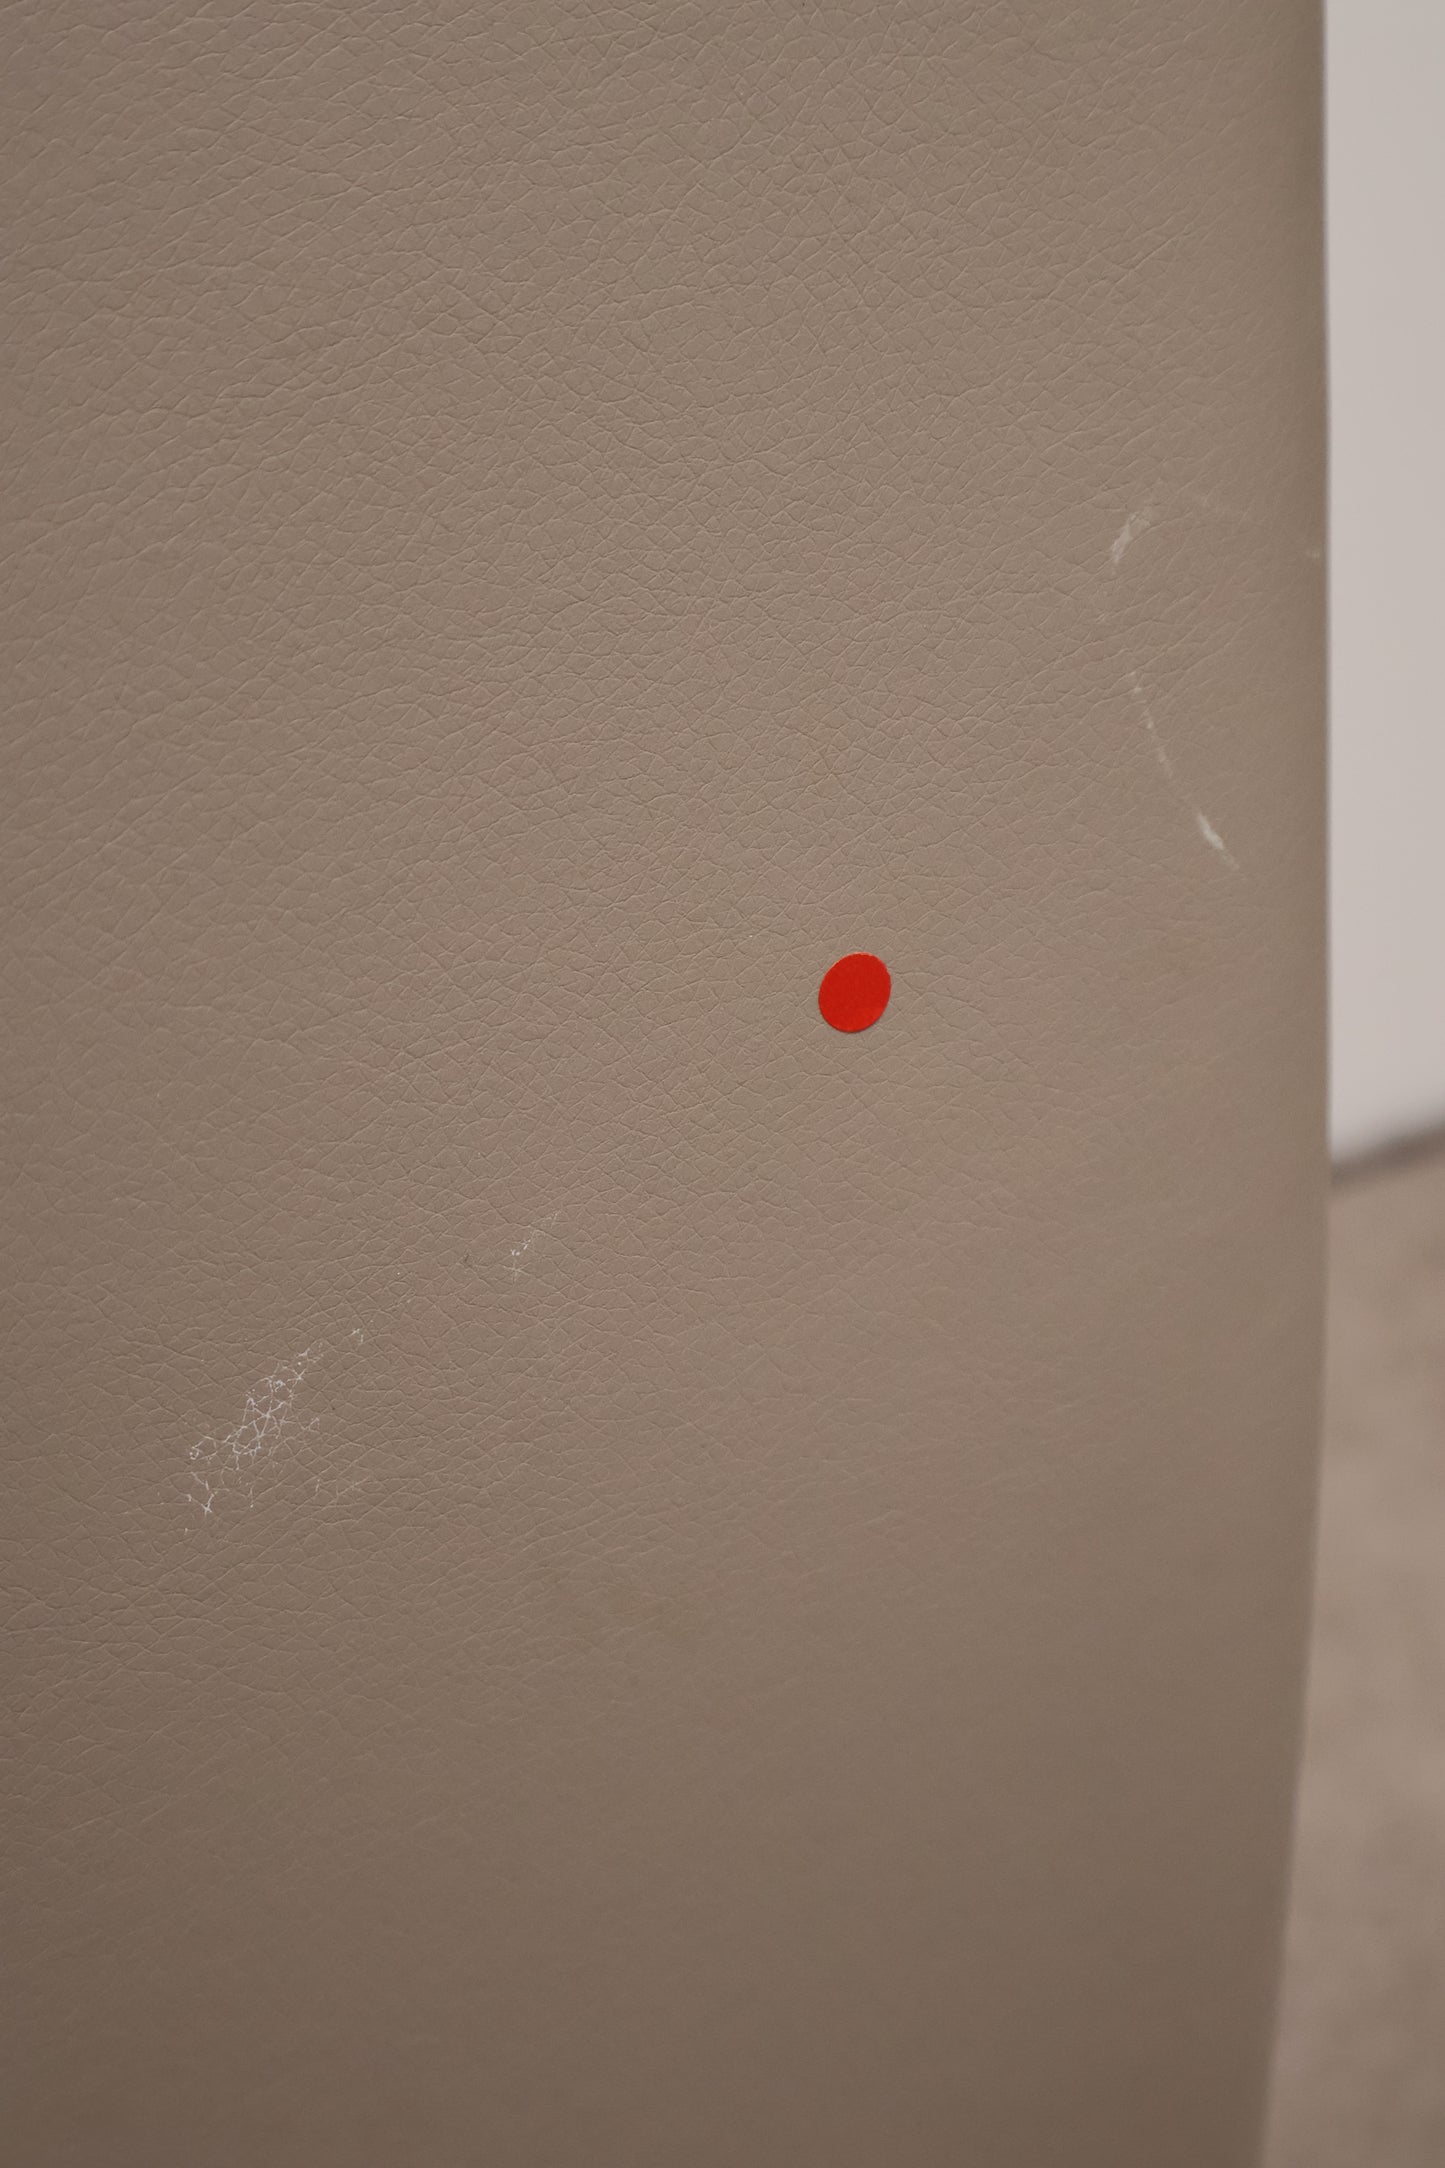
(854, 992)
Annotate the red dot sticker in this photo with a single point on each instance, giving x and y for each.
(854, 992)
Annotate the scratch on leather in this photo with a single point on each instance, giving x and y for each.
(1131, 530)
(231, 1463)
(530, 1236)
(1207, 830)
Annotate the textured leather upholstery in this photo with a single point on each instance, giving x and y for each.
(604, 1576)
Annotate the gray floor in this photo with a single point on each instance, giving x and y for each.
(1360, 2079)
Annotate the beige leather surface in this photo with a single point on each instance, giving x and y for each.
(604, 1576)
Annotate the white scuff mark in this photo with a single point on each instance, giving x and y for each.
(1130, 532)
(231, 1464)
(1207, 830)
(1151, 726)
(530, 1237)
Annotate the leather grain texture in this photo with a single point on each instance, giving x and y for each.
(603, 1576)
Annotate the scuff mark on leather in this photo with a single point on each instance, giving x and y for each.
(530, 1237)
(229, 1465)
(1131, 530)
(1207, 830)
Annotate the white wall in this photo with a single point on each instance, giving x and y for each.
(1386, 180)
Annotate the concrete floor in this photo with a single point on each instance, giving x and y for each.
(1360, 2077)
